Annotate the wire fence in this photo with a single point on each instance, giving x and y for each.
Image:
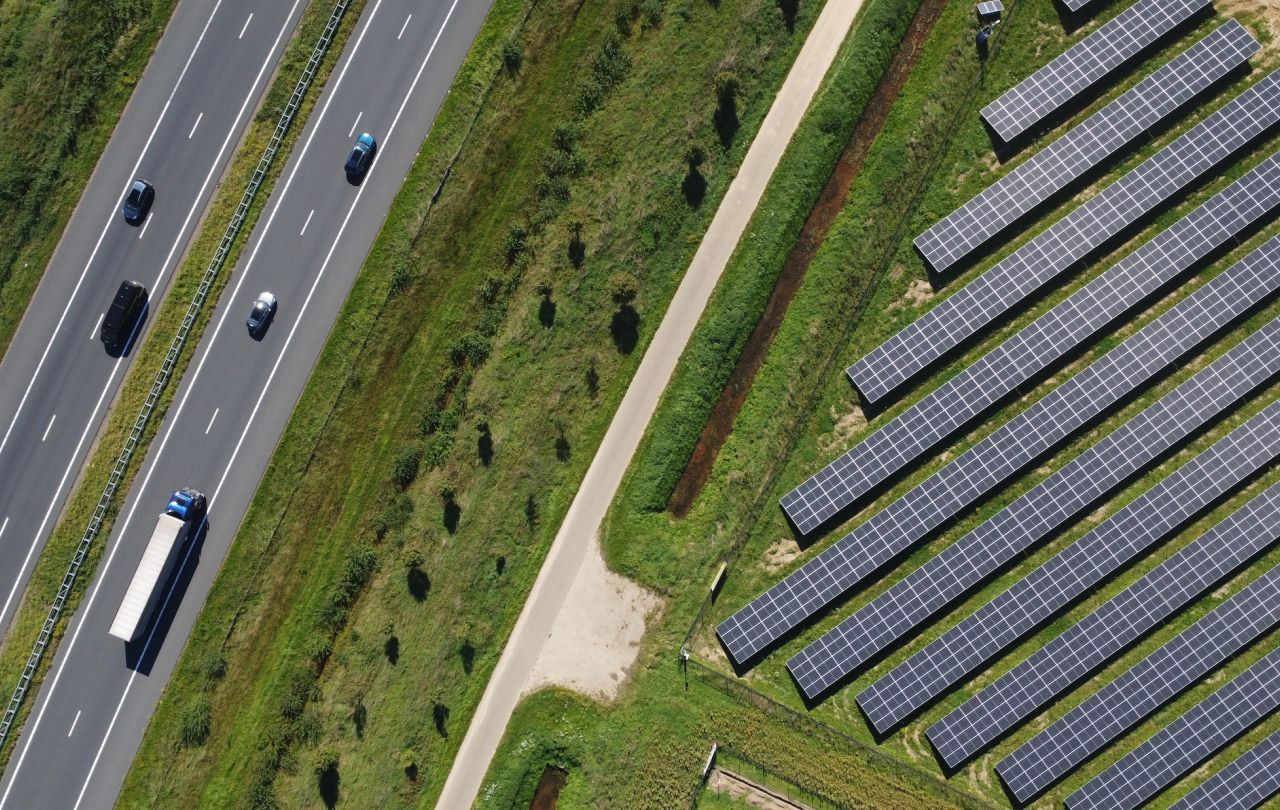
(739, 767)
(166, 370)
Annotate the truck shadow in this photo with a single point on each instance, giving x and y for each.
(140, 655)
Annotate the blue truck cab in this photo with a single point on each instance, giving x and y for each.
(186, 505)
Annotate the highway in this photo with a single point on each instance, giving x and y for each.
(179, 130)
(233, 404)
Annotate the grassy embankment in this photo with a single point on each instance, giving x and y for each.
(788, 428)
(66, 73)
(473, 371)
(52, 564)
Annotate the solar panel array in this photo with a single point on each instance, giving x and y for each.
(1085, 63)
(1247, 782)
(1121, 704)
(1063, 328)
(1076, 5)
(1085, 146)
(1048, 254)
(1187, 741)
(984, 466)
(1090, 643)
(1053, 501)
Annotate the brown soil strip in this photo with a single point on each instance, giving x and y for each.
(549, 787)
(830, 203)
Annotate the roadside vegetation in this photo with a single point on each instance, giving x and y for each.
(51, 566)
(66, 71)
(864, 284)
(472, 373)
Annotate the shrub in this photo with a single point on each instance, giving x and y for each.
(324, 760)
(213, 663)
(395, 516)
(512, 56)
(195, 721)
(406, 466)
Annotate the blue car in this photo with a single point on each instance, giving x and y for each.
(138, 201)
(361, 156)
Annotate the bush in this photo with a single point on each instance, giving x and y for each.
(324, 760)
(512, 56)
(213, 663)
(406, 467)
(195, 721)
(395, 516)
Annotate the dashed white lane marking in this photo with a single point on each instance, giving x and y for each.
(94, 334)
(211, 418)
(355, 123)
(72, 730)
(144, 226)
(193, 126)
(4, 526)
(49, 428)
(246, 26)
(308, 222)
(406, 25)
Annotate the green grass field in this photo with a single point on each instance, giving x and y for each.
(473, 371)
(801, 413)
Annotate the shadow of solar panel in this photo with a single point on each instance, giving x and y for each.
(999, 455)
(1065, 242)
(1090, 643)
(1148, 685)
(1085, 63)
(1058, 498)
(1247, 782)
(1062, 329)
(1086, 146)
(1187, 741)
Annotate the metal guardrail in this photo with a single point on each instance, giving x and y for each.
(166, 368)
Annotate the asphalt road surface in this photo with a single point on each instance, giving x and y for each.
(234, 402)
(179, 130)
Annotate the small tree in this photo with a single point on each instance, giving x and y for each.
(406, 466)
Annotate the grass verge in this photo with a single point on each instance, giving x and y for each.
(50, 567)
(428, 464)
(66, 73)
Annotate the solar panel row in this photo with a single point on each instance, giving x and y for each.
(1076, 5)
(1091, 642)
(1052, 336)
(1247, 782)
(1087, 145)
(1187, 741)
(1049, 253)
(1053, 501)
(1123, 703)
(1085, 63)
(984, 466)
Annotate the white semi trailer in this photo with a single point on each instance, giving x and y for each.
(176, 526)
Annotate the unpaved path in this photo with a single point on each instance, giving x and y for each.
(573, 542)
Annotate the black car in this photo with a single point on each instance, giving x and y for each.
(260, 316)
(138, 202)
(361, 156)
(121, 320)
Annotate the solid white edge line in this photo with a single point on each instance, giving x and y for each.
(4, 798)
(246, 26)
(111, 218)
(196, 124)
(284, 349)
(48, 428)
(93, 416)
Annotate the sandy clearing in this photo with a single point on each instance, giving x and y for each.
(596, 636)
